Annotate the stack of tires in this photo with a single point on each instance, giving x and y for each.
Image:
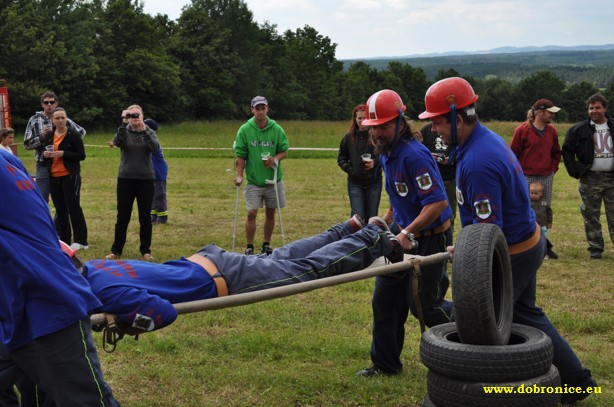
(482, 359)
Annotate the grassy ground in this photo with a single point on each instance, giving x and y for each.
(303, 350)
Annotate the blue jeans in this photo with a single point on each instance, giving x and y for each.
(42, 180)
(364, 199)
(524, 271)
(336, 251)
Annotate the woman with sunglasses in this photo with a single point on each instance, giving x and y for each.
(135, 179)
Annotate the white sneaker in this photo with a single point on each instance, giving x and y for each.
(79, 246)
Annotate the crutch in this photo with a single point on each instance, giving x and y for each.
(274, 183)
(234, 230)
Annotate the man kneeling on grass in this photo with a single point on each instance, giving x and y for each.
(141, 293)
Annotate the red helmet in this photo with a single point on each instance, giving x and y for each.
(451, 91)
(382, 107)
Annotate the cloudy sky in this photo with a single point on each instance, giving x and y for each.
(372, 28)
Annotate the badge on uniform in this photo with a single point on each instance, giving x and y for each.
(424, 181)
(143, 322)
(459, 197)
(482, 208)
(401, 188)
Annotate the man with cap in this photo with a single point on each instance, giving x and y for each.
(588, 152)
(418, 210)
(536, 145)
(259, 147)
(490, 187)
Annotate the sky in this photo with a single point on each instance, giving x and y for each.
(386, 28)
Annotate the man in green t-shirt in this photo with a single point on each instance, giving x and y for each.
(260, 145)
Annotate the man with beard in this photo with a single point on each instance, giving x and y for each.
(588, 152)
(418, 210)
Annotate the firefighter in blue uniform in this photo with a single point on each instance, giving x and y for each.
(490, 187)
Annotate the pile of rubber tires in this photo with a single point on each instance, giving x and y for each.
(482, 359)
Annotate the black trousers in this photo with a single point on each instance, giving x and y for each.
(66, 197)
(127, 191)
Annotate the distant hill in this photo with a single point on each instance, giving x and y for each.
(594, 64)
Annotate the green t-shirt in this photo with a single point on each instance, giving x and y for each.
(251, 141)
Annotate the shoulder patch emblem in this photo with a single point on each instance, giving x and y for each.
(401, 188)
(482, 208)
(459, 196)
(424, 181)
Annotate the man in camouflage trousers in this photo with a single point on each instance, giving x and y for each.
(588, 153)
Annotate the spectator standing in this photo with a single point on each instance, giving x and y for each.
(38, 130)
(7, 138)
(441, 153)
(259, 147)
(65, 151)
(588, 153)
(536, 145)
(418, 209)
(494, 190)
(159, 209)
(357, 158)
(135, 179)
(45, 332)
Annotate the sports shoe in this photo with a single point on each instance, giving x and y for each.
(373, 371)
(148, 257)
(357, 222)
(571, 398)
(551, 254)
(266, 249)
(249, 251)
(396, 255)
(79, 246)
(161, 220)
(112, 256)
(596, 254)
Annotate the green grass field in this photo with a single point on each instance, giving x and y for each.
(303, 350)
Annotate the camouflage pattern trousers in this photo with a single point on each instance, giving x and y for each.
(595, 187)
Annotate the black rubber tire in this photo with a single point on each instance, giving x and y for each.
(427, 402)
(528, 353)
(482, 287)
(447, 392)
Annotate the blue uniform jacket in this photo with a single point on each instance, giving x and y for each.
(41, 291)
(412, 182)
(141, 294)
(491, 187)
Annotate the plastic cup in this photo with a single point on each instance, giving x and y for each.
(265, 157)
(366, 157)
(49, 148)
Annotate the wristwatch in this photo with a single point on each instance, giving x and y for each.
(410, 236)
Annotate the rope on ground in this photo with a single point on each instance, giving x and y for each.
(285, 291)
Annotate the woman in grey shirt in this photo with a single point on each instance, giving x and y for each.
(135, 179)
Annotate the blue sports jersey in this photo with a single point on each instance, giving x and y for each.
(41, 291)
(141, 294)
(412, 182)
(490, 186)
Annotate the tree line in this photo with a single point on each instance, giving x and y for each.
(99, 56)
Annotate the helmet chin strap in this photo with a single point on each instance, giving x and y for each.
(396, 129)
(453, 136)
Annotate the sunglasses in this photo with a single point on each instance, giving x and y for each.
(133, 115)
(49, 102)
